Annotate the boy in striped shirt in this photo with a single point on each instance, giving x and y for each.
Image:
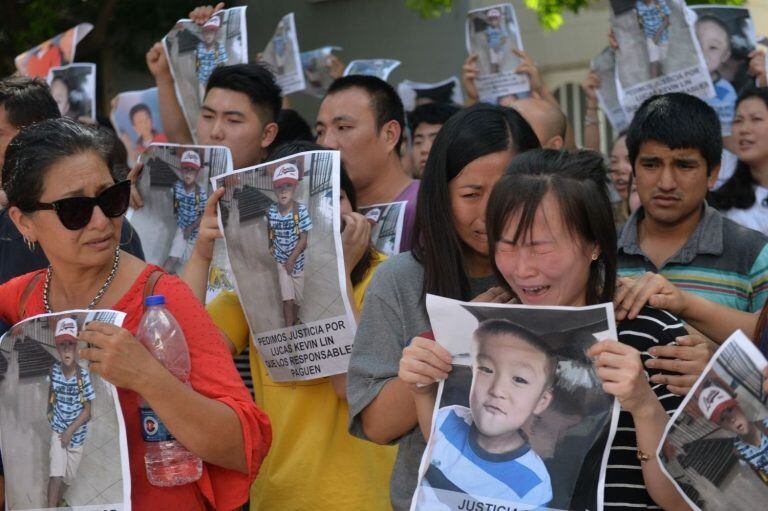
(69, 410)
(481, 452)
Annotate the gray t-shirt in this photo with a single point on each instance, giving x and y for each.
(393, 314)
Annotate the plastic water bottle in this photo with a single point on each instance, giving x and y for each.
(168, 463)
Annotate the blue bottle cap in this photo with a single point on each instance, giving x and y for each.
(154, 300)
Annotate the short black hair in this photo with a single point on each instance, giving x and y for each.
(679, 121)
(37, 147)
(254, 80)
(141, 107)
(579, 181)
(387, 105)
(27, 101)
(431, 113)
(292, 126)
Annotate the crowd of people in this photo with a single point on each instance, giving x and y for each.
(501, 207)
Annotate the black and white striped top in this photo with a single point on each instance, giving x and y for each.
(624, 484)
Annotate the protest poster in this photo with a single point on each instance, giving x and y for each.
(386, 225)
(55, 52)
(607, 95)
(45, 389)
(174, 186)
(726, 35)
(135, 116)
(74, 89)
(318, 66)
(658, 51)
(414, 94)
(522, 416)
(194, 51)
(282, 55)
(380, 68)
(715, 446)
(281, 223)
(491, 34)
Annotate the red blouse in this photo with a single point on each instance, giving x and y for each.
(213, 375)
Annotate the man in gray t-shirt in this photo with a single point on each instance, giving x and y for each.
(393, 313)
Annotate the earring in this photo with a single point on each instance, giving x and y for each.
(594, 256)
(30, 244)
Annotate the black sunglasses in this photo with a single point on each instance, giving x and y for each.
(75, 212)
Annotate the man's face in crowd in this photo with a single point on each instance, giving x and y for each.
(423, 138)
(671, 183)
(346, 122)
(142, 124)
(229, 118)
(7, 132)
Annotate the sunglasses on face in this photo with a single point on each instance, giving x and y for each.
(75, 212)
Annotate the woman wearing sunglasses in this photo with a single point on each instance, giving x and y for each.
(62, 195)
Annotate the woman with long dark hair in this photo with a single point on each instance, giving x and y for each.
(449, 258)
(744, 197)
(552, 243)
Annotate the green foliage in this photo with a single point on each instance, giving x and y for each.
(429, 8)
(550, 12)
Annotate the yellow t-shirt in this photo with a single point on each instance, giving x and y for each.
(314, 463)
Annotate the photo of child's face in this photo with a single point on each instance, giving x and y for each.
(67, 352)
(494, 21)
(734, 420)
(510, 382)
(715, 44)
(189, 176)
(209, 36)
(285, 194)
(142, 124)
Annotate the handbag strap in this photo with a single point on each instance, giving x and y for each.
(149, 286)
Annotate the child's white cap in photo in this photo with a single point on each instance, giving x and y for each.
(373, 215)
(190, 160)
(66, 330)
(287, 173)
(213, 23)
(494, 13)
(713, 401)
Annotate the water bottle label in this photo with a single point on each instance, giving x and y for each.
(152, 429)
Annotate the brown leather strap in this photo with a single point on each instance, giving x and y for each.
(27, 291)
(149, 286)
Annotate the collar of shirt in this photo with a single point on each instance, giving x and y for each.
(707, 238)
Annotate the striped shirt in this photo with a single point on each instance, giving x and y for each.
(652, 17)
(460, 468)
(285, 233)
(68, 401)
(757, 456)
(721, 261)
(209, 59)
(624, 484)
(189, 206)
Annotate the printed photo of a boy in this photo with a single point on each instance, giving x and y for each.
(189, 200)
(751, 440)
(210, 52)
(288, 224)
(69, 409)
(482, 451)
(653, 17)
(496, 37)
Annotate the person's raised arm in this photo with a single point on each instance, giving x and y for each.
(195, 271)
(355, 244)
(174, 123)
(191, 417)
(715, 321)
(591, 128)
(621, 370)
(423, 364)
(469, 73)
